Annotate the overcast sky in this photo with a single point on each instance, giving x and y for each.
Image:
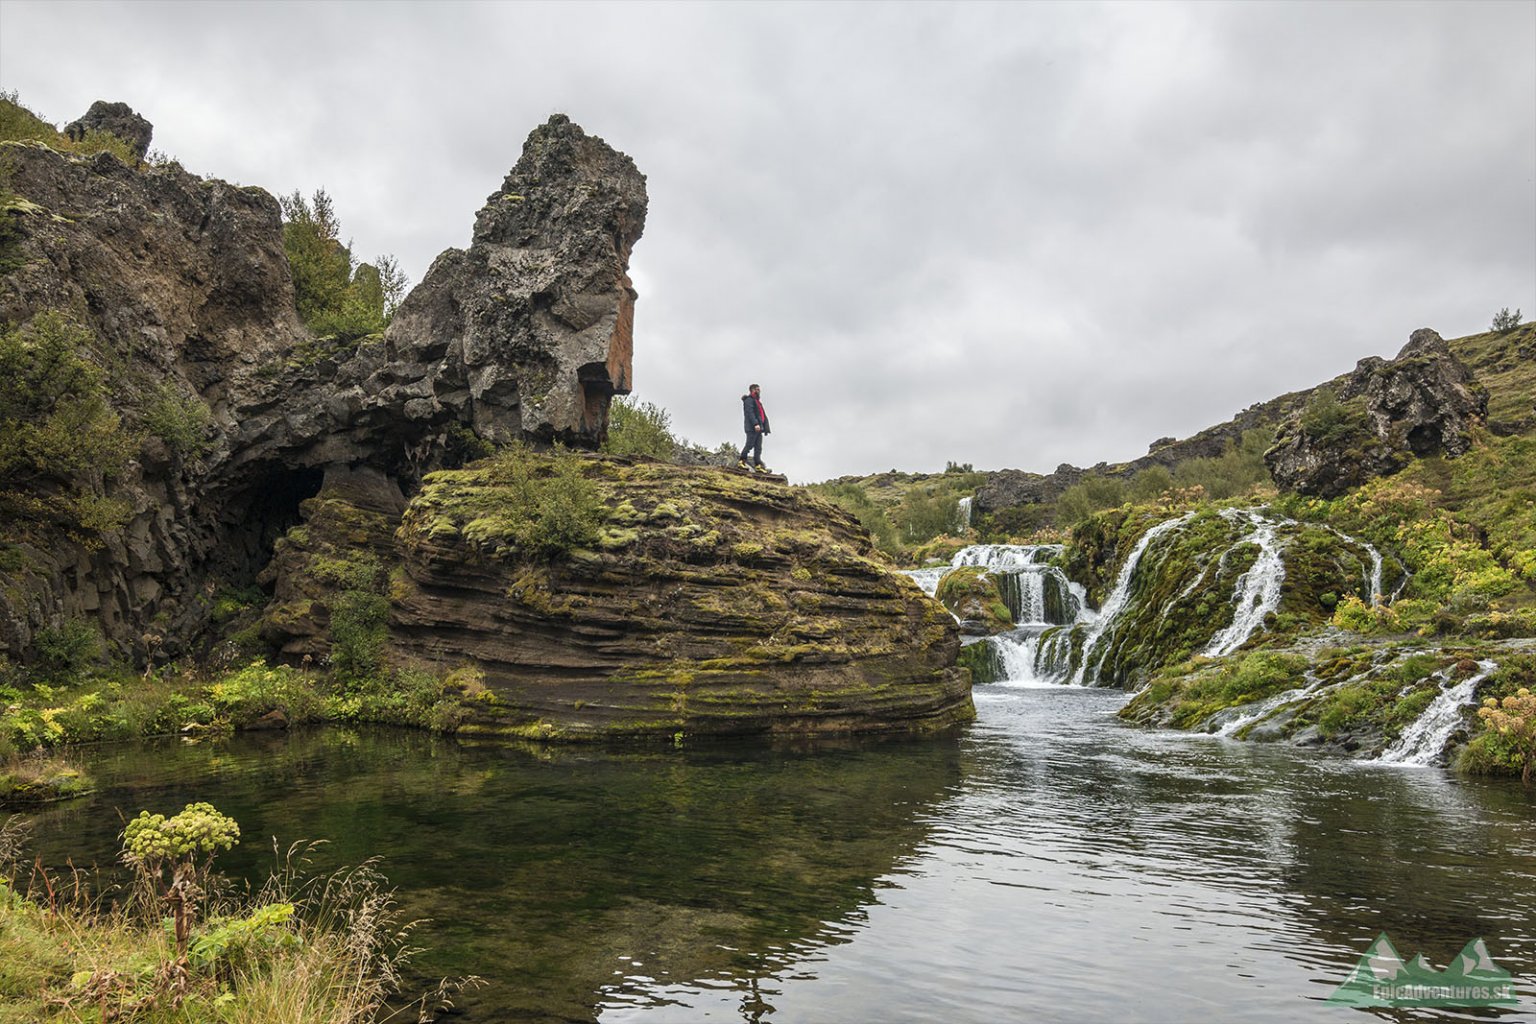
(1005, 234)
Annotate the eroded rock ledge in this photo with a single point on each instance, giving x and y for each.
(706, 603)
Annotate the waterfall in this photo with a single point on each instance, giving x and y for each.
(1118, 598)
(1258, 590)
(1424, 741)
(1057, 638)
(963, 513)
(1374, 594)
(927, 579)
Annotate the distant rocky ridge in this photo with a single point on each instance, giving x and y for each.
(1423, 402)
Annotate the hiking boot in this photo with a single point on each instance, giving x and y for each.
(743, 463)
(762, 468)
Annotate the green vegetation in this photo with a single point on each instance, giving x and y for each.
(518, 500)
(60, 441)
(639, 428)
(1504, 320)
(336, 297)
(114, 704)
(972, 593)
(40, 778)
(180, 419)
(171, 950)
(1230, 682)
(905, 512)
(1506, 744)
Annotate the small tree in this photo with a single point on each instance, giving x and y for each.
(335, 295)
(639, 428)
(1504, 320)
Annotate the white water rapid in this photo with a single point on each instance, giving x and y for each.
(1424, 741)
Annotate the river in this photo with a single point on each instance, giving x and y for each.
(1047, 863)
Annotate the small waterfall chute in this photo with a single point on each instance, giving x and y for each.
(1257, 593)
(1103, 623)
(1423, 742)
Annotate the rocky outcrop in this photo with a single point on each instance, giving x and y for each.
(116, 119)
(1424, 402)
(529, 332)
(185, 290)
(598, 597)
(185, 285)
(703, 602)
(525, 335)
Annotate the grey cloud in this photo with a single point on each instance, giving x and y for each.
(1002, 234)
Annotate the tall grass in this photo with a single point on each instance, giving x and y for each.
(334, 954)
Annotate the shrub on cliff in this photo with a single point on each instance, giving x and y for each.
(59, 439)
(1504, 320)
(336, 297)
(639, 428)
(180, 420)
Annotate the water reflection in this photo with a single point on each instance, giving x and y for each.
(565, 877)
(1052, 864)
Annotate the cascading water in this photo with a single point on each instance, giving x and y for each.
(1058, 639)
(1424, 741)
(963, 513)
(1103, 624)
(1374, 592)
(1258, 589)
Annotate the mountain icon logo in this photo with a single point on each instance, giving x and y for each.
(1383, 978)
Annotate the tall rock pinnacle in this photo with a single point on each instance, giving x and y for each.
(529, 332)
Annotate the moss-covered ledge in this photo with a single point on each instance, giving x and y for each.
(608, 597)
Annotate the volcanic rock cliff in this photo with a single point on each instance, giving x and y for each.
(670, 599)
(185, 285)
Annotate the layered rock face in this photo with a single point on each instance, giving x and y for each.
(708, 603)
(1424, 402)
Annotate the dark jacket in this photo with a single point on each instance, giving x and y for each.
(753, 415)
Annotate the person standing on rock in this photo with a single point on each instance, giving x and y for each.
(756, 422)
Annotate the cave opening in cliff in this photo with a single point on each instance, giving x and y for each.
(263, 512)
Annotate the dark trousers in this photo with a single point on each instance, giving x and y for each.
(755, 446)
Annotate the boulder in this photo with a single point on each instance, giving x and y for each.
(117, 119)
